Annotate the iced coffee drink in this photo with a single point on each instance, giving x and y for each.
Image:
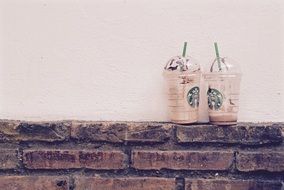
(223, 92)
(183, 78)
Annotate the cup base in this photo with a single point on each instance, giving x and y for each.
(223, 118)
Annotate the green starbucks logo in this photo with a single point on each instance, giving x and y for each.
(215, 99)
(193, 97)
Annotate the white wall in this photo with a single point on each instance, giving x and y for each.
(103, 60)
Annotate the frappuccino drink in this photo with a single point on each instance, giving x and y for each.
(183, 78)
(223, 81)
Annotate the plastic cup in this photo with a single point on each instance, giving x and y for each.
(183, 80)
(223, 92)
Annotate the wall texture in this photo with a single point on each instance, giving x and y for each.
(76, 155)
(103, 60)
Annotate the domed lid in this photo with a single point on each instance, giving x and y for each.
(223, 64)
(182, 63)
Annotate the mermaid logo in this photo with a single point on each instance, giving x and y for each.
(193, 97)
(215, 99)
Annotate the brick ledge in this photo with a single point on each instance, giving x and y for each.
(80, 155)
(141, 132)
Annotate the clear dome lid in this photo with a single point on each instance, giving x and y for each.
(182, 64)
(224, 65)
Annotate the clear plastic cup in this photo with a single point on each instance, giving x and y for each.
(183, 79)
(223, 92)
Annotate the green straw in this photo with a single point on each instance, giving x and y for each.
(184, 49)
(217, 55)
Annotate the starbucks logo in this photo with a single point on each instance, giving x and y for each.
(193, 97)
(215, 99)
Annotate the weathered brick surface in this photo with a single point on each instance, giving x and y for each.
(251, 134)
(34, 183)
(33, 131)
(66, 159)
(93, 183)
(120, 132)
(205, 184)
(99, 131)
(148, 132)
(182, 160)
(8, 158)
(253, 161)
(139, 156)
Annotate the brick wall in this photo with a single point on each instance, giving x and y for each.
(74, 155)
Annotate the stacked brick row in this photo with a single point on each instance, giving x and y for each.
(82, 155)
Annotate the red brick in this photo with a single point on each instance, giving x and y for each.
(65, 159)
(148, 132)
(99, 131)
(34, 183)
(253, 161)
(8, 158)
(205, 184)
(182, 160)
(243, 133)
(34, 131)
(94, 183)
(120, 132)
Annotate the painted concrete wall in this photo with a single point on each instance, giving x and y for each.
(103, 60)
